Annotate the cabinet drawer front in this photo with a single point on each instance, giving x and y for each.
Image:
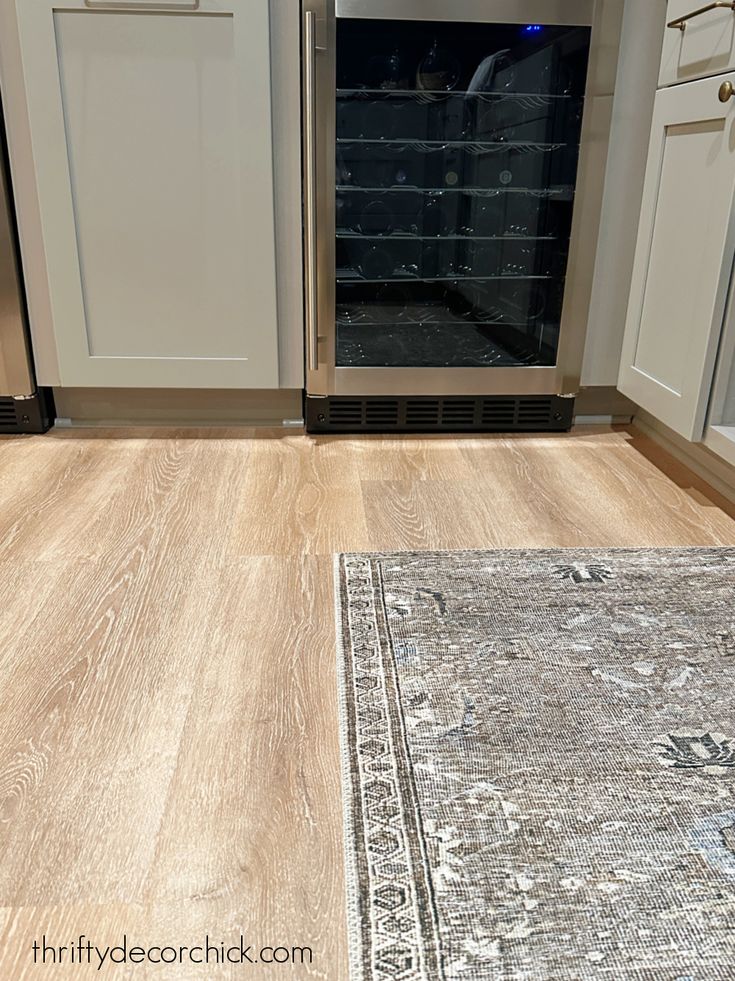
(706, 46)
(683, 257)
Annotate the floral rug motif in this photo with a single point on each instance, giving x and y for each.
(539, 764)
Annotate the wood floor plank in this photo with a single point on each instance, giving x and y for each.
(258, 772)
(300, 496)
(625, 498)
(410, 457)
(112, 492)
(507, 502)
(42, 480)
(189, 486)
(670, 488)
(89, 736)
(95, 743)
(602, 489)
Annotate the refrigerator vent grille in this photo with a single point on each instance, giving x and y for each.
(346, 412)
(450, 414)
(533, 410)
(458, 413)
(7, 414)
(422, 412)
(499, 412)
(381, 412)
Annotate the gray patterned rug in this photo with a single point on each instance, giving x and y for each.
(539, 764)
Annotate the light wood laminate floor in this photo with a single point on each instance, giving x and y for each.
(169, 760)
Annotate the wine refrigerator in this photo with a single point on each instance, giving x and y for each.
(444, 255)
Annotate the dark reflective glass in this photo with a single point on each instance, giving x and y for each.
(457, 151)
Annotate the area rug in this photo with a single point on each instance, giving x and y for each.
(539, 764)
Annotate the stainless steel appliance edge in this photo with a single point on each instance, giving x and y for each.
(323, 376)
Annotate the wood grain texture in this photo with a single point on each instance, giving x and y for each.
(169, 758)
(300, 496)
(262, 787)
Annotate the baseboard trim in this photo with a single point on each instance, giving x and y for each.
(706, 464)
(111, 408)
(602, 403)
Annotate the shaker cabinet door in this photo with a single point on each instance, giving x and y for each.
(706, 46)
(683, 256)
(151, 131)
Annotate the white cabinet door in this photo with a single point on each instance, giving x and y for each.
(683, 256)
(151, 133)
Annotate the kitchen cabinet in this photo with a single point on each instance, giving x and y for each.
(706, 46)
(719, 436)
(150, 125)
(633, 95)
(684, 255)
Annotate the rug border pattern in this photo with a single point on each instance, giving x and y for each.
(378, 939)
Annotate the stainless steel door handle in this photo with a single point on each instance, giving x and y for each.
(681, 22)
(310, 191)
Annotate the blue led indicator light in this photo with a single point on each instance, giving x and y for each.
(532, 28)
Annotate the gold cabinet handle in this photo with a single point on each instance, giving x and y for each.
(681, 22)
(726, 91)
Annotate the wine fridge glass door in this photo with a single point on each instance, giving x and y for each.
(456, 157)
